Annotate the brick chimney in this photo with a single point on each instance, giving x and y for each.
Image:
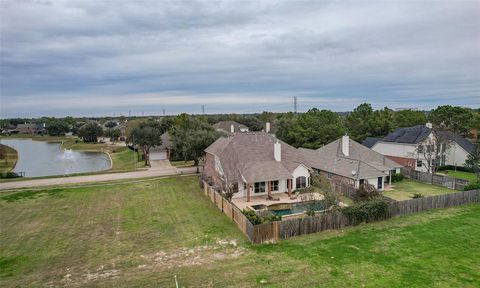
(346, 145)
(277, 151)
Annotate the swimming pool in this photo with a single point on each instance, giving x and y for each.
(282, 209)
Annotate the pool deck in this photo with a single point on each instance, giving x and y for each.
(242, 203)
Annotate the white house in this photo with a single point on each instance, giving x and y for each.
(404, 144)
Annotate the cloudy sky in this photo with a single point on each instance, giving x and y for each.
(103, 57)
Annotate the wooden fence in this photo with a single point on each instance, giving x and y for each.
(276, 230)
(435, 179)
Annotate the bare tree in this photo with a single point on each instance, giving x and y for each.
(433, 150)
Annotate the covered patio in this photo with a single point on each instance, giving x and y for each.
(241, 203)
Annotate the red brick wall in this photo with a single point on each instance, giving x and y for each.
(209, 169)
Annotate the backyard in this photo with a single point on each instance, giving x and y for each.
(461, 175)
(405, 189)
(141, 233)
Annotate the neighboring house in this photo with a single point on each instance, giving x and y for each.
(40, 129)
(164, 151)
(349, 162)
(230, 127)
(27, 128)
(255, 164)
(402, 146)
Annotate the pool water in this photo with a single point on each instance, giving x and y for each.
(295, 208)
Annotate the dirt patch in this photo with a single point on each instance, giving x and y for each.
(200, 255)
(161, 260)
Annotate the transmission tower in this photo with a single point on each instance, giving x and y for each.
(203, 109)
(295, 104)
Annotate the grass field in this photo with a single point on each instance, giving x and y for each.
(180, 164)
(404, 190)
(460, 174)
(8, 159)
(142, 234)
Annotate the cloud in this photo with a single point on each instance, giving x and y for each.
(98, 57)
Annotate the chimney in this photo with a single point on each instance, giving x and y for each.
(267, 127)
(277, 151)
(345, 145)
(232, 128)
(429, 125)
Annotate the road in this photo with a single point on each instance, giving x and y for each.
(159, 168)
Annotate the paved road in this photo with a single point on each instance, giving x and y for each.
(157, 169)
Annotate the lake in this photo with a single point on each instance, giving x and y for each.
(41, 158)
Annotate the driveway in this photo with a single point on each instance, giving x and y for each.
(157, 169)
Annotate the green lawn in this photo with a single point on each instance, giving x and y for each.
(142, 234)
(404, 190)
(460, 174)
(8, 158)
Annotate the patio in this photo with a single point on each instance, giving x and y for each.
(242, 203)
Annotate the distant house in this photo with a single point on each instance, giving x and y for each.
(164, 151)
(347, 161)
(255, 164)
(27, 128)
(230, 127)
(403, 144)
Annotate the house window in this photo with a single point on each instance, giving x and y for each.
(420, 149)
(274, 185)
(301, 182)
(259, 187)
(430, 148)
(329, 175)
(419, 163)
(235, 187)
(244, 186)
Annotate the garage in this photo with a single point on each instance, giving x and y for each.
(158, 155)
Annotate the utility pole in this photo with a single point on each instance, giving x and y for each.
(134, 156)
(295, 104)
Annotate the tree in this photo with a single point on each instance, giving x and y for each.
(113, 134)
(110, 124)
(452, 118)
(364, 122)
(57, 127)
(191, 136)
(409, 118)
(310, 130)
(253, 123)
(433, 151)
(473, 161)
(90, 132)
(146, 135)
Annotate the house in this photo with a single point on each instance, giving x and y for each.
(254, 164)
(27, 128)
(230, 127)
(164, 151)
(349, 162)
(403, 145)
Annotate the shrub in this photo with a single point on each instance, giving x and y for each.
(472, 186)
(368, 211)
(365, 192)
(260, 217)
(397, 177)
(457, 168)
(417, 195)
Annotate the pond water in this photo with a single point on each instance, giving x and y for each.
(41, 158)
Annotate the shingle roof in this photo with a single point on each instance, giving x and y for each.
(464, 143)
(226, 126)
(361, 163)
(249, 156)
(413, 135)
(417, 134)
(370, 141)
